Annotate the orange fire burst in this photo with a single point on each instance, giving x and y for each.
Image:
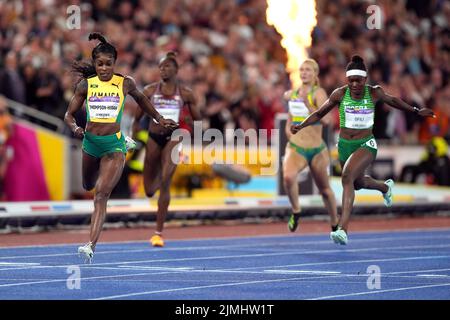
(294, 20)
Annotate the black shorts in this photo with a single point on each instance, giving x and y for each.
(160, 139)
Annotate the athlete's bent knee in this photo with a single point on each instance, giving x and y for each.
(326, 193)
(347, 178)
(101, 196)
(358, 184)
(289, 179)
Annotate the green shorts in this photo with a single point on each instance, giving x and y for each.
(347, 147)
(307, 153)
(98, 146)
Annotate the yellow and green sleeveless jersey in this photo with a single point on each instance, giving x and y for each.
(297, 107)
(356, 114)
(105, 99)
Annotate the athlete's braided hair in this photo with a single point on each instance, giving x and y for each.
(87, 69)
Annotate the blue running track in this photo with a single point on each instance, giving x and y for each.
(412, 265)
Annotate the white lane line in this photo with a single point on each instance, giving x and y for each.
(433, 275)
(257, 255)
(124, 251)
(65, 280)
(259, 282)
(418, 271)
(18, 264)
(345, 262)
(271, 236)
(236, 270)
(221, 285)
(294, 242)
(157, 268)
(262, 272)
(380, 291)
(196, 288)
(280, 271)
(246, 256)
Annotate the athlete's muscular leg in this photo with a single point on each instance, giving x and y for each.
(152, 168)
(111, 167)
(293, 163)
(167, 171)
(353, 169)
(90, 169)
(367, 182)
(320, 166)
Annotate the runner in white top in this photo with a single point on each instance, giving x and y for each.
(169, 99)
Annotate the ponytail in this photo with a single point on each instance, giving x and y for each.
(172, 56)
(103, 47)
(97, 36)
(87, 69)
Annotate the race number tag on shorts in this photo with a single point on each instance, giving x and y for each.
(372, 144)
(359, 119)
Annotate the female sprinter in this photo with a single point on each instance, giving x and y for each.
(357, 146)
(306, 147)
(104, 146)
(169, 98)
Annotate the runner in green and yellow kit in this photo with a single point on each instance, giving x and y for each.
(307, 148)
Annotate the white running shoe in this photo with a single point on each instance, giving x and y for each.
(130, 143)
(339, 236)
(388, 195)
(86, 252)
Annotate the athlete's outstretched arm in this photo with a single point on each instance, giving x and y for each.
(400, 104)
(145, 104)
(321, 97)
(334, 99)
(75, 104)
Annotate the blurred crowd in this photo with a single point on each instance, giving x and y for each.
(228, 54)
(230, 57)
(409, 57)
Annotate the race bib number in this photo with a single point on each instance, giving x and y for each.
(372, 144)
(169, 113)
(359, 119)
(298, 110)
(105, 110)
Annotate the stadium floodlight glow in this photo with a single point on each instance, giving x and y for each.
(294, 20)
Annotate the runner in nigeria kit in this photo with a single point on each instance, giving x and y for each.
(358, 115)
(357, 146)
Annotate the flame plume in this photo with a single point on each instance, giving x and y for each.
(294, 20)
